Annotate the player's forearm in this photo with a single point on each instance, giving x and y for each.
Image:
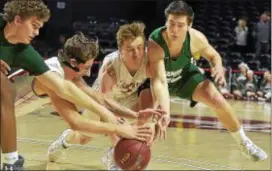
(215, 60)
(110, 104)
(96, 127)
(72, 93)
(120, 110)
(161, 93)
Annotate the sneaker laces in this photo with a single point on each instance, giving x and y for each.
(250, 148)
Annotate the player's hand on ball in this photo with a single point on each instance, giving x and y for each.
(4, 67)
(141, 133)
(218, 73)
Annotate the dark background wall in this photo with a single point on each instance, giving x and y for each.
(151, 12)
(148, 11)
(130, 10)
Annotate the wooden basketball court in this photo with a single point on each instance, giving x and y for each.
(196, 140)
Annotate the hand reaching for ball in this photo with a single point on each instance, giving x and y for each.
(141, 133)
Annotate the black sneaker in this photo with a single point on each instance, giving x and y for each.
(18, 165)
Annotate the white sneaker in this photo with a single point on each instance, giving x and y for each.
(108, 160)
(56, 149)
(251, 151)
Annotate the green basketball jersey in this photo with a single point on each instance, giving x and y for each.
(182, 74)
(20, 55)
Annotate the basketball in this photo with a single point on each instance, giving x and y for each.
(132, 154)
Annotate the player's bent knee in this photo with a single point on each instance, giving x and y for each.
(209, 93)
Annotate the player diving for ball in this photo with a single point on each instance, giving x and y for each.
(121, 78)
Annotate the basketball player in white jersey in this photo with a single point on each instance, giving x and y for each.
(77, 57)
(129, 74)
(123, 75)
(125, 70)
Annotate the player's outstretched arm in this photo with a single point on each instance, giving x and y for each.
(201, 45)
(159, 86)
(78, 123)
(110, 104)
(158, 79)
(113, 106)
(69, 91)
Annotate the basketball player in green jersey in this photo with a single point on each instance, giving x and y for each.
(19, 24)
(171, 49)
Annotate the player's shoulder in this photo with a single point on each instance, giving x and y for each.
(198, 41)
(112, 55)
(197, 35)
(52, 60)
(156, 32)
(27, 50)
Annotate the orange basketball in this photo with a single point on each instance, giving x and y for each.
(132, 154)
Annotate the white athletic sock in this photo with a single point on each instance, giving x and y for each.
(65, 144)
(10, 158)
(239, 135)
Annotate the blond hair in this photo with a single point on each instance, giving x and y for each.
(26, 9)
(130, 31)
(79, 47)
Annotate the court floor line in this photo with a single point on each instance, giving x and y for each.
(201, 121)
(164, 159)
(267, 108)
(265, 128)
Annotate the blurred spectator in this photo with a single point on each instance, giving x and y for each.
(59, 44)
(261, 33)
(264, 92)
(238, 82)
(268, 13)
(61, 41)
(241, 33)
(251, 86)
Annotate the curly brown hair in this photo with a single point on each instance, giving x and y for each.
(79, 47)
(130, 31)
(26, 9)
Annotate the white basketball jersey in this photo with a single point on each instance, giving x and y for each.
(54, 65)
(126, 83)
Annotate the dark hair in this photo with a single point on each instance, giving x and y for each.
(180, 8)
(79, 47)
